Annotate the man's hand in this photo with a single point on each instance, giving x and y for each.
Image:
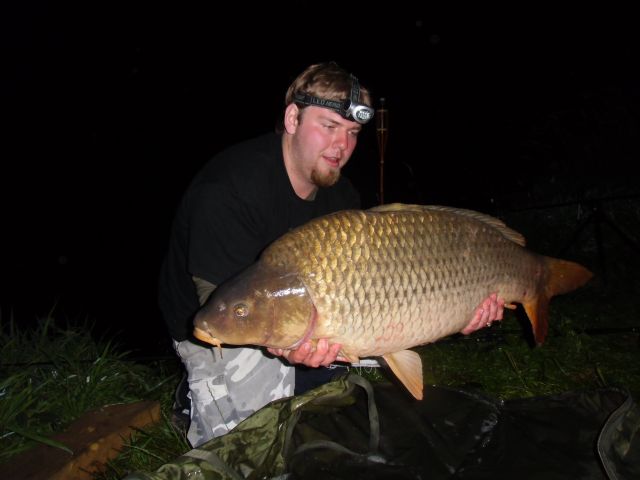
(491, 310)
(322, 355)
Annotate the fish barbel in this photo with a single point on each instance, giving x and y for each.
(381, 281)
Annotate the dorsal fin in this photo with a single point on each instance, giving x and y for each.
(493, 222)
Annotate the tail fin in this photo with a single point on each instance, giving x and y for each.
(562, 277)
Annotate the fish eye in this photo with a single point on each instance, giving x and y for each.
(241, 310)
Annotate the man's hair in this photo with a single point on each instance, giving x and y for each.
(328, 81)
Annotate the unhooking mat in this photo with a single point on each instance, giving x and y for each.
(350, 429)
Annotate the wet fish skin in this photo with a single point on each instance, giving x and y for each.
(383, 280)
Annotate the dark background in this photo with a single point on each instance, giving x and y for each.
(109, 111)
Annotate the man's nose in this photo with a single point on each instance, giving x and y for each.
(341, 140)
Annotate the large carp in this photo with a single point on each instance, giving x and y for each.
(381, 281)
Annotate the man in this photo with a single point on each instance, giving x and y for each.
(242, 200)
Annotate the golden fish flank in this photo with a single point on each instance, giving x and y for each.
(384, 280)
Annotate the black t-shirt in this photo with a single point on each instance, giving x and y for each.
(240, 202)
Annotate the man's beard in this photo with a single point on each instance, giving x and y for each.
(327, 180)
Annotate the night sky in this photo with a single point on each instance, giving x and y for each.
(112, 110)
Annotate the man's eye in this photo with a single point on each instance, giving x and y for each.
(241, 310)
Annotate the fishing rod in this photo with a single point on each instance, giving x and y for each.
(382, 133)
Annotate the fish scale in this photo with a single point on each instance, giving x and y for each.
(383, 280)
(402, 239)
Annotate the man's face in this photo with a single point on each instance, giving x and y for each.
(322, 144)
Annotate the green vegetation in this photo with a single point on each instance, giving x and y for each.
(51, 375)
(149, 449)
(503, 363)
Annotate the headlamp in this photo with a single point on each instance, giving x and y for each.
(349, 109)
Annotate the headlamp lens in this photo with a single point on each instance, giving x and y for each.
(359, 113)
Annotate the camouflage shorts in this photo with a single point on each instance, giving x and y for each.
(226, 390)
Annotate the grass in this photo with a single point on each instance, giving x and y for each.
(505, 365)
(593, 341)
(148, 449)
(51, 375)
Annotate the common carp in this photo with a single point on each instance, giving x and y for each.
(381, 281)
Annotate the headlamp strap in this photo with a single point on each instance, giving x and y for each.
(307, 99)
(355, 90)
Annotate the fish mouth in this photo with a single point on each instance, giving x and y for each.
(206, 337)
(307, 333)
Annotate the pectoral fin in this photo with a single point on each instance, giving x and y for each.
(407, 366)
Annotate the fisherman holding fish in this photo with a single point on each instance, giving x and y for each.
(242, 200)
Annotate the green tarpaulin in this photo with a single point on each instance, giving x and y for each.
(349, 429)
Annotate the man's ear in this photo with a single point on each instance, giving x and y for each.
(291, 118)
